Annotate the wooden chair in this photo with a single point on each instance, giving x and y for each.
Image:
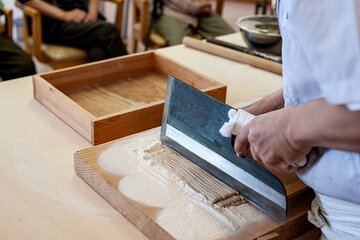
(6, 26)
(263, 5)
(54, 55)
(141, 26)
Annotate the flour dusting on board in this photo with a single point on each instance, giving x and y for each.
(183, 215)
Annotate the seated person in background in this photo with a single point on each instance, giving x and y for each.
(77, 23)
(14, 62)
(175, 19)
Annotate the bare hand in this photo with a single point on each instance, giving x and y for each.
(268, 138)
(75, 16)
(204, 7)
(90, 17)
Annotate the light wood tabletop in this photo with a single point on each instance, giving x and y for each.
(41, 196)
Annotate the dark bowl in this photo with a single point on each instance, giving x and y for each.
(261, 32)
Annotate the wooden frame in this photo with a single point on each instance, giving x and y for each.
(141, 24)
(7, 26)
(114, 98)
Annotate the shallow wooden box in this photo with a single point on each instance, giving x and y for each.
(110, 99)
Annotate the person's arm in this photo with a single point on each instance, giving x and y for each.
(282, 137)
(75, 15)
(92, 10)
(191, 7)
(321, 124)
(273, 101)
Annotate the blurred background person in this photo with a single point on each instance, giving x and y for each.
(78, 24)
(175, 19)
(14, 62)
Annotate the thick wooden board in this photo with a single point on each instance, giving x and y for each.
(86, 166)
(143, 217)
(113, 98)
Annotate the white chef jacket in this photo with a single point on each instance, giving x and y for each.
(321, 59)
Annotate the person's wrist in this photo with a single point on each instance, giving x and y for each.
(92, 13)
(296, 129)
(250, 109)
(64, 16)
(257, 108)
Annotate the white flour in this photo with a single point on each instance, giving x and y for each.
(180, 217)
(121, 159)
(198, 224)
(146, 189)
(116, 166)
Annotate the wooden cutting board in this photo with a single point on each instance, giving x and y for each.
(143, 217)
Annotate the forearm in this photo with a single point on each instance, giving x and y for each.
(190, 7)
(269, 103)
(47, 9)
(93, 7)
(321, 124)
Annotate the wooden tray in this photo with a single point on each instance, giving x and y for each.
(114, 98)
(143, 217)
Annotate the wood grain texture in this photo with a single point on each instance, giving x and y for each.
(101, 71)
(106, 185)
(234, 55)
(180, 71)
(120, 125)
(113, 98)
(143, 217)
(121, 95)
(67, 110)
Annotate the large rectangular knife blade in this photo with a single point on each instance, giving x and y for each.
(190, 126)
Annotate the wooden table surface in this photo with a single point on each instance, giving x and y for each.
(41, 197)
